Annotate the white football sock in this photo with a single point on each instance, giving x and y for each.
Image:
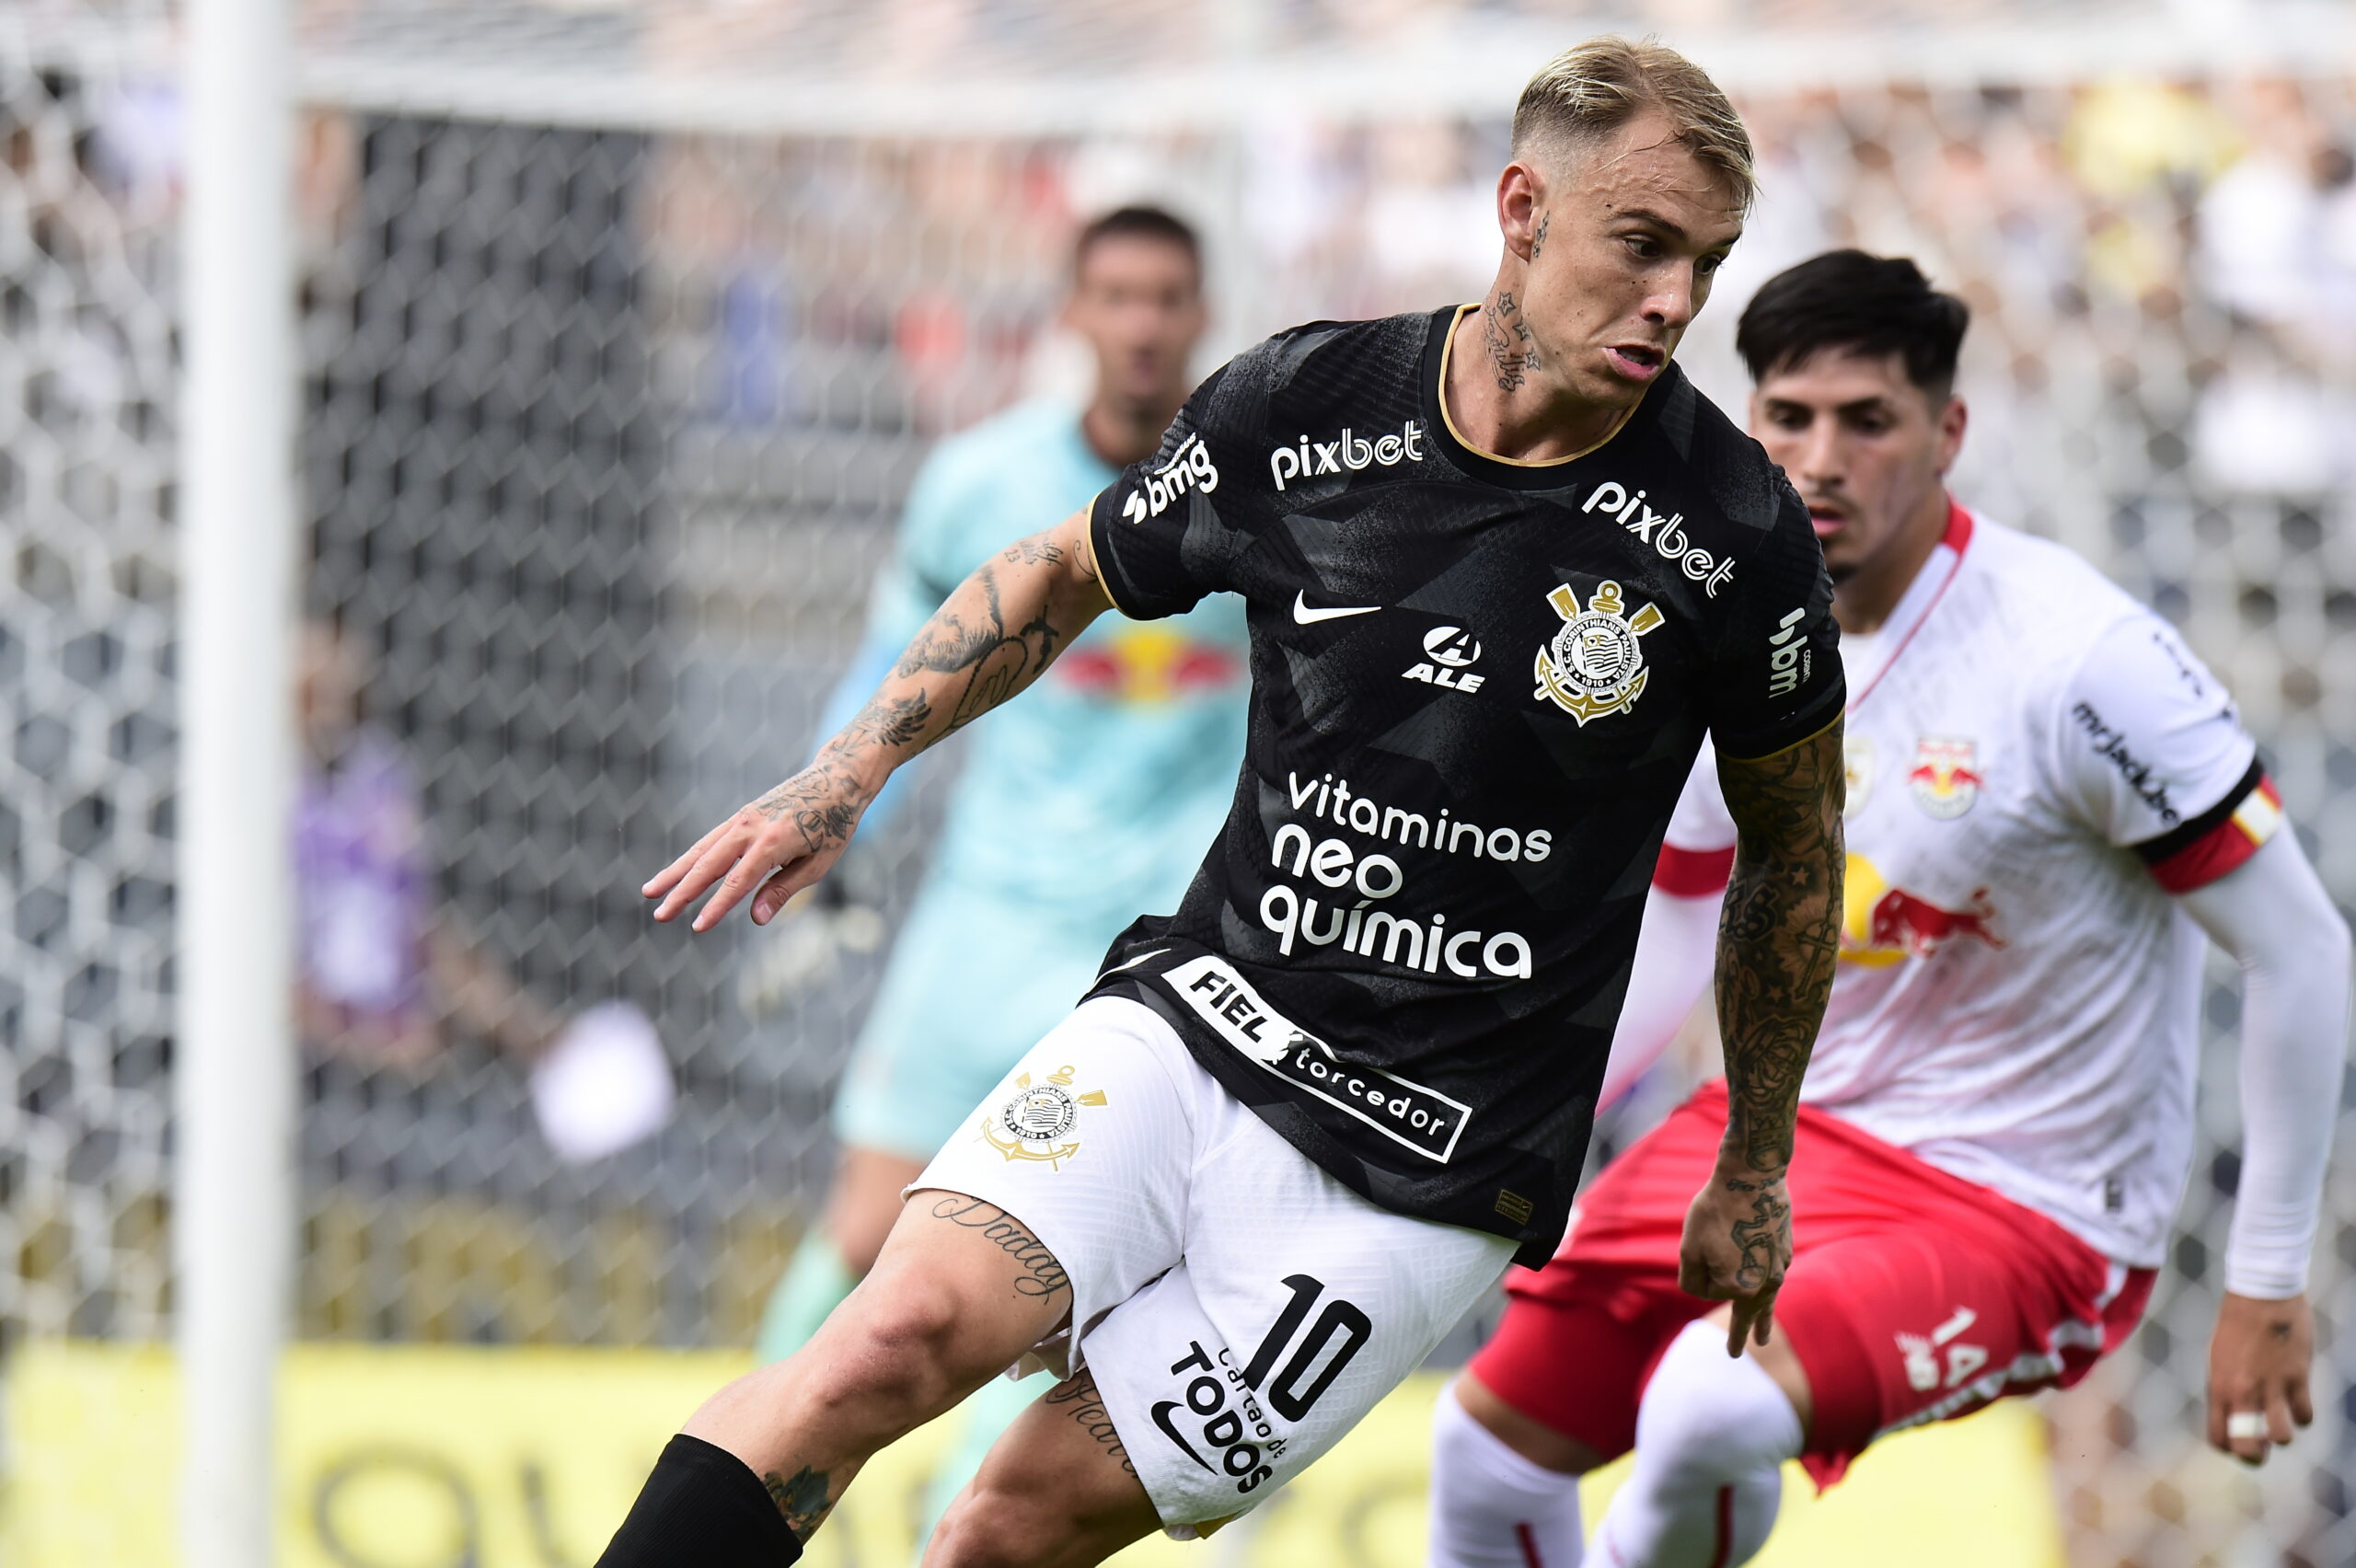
(1491, 1507)
(1712, 1435)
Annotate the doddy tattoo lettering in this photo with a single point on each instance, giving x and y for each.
(1041, 1276)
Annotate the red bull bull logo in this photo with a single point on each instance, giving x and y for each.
(1148, 663)
(1883, 925)
(1946, 777)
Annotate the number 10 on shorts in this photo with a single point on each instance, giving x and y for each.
(1222, 1402)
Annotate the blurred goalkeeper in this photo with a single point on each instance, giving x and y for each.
(1123, 759)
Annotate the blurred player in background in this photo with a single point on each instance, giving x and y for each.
(1087, 802)
(1300, 1125)
(379, 974)
(385, 975)
(2051, 801)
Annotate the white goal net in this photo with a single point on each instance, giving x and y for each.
(625, 327)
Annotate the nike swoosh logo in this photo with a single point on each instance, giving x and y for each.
(1132, 963)
(1161, 1419)
(1303, 616)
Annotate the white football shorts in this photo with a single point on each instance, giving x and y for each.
(1240, 1308)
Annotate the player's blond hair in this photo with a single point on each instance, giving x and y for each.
(1583, 95)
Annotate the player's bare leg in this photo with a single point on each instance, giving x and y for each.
(1057, 1491)
(835, 1254)
(959, 1291)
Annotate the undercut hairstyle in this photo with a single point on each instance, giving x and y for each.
(1583, 95)
(1853, 303)
(1138, 222)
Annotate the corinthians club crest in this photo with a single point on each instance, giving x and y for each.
(1038, 1123)
(1595, 665)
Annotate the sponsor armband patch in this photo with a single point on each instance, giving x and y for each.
(2220, 838)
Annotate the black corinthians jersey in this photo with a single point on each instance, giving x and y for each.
(1477, 686)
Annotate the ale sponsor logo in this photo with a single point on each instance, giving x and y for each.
(1447, 652)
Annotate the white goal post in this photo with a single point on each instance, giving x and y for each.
(234, 1205)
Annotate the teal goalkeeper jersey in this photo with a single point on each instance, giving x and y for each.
(1090, 797)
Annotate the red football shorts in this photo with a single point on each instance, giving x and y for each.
(1914, 1296)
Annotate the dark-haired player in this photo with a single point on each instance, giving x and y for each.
(1504, 569)
(2049, 801)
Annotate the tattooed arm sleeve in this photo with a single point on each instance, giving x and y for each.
(994, 635)
(1778, 936)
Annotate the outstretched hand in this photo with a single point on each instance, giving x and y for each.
(780, 844)
(2257, 1375)
(1737, 1243)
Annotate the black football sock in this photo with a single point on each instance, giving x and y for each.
(704, 1507)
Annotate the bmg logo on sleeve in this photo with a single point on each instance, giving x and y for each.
(1189, 468)
(1791, 663)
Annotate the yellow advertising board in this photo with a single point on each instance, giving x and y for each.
(432, 1456)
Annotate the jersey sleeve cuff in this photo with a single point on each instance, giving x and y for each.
(2266, 1279)
(1802, 727)
(1100, 515)
(2218, 840)
(1694, 873)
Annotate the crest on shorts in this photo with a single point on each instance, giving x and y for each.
(1595, 664)
(1945, 778)
(1039, 1124)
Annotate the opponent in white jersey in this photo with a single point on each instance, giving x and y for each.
(2051, 801)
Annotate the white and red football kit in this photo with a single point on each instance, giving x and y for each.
(1997, 1123)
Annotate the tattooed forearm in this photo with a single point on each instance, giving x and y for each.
(993, 636)
(802, 1499)
(1086, 1407)
(1031, 551)
(971, 641)
(892, 722)
(1039, 1276)
(1778, 938)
